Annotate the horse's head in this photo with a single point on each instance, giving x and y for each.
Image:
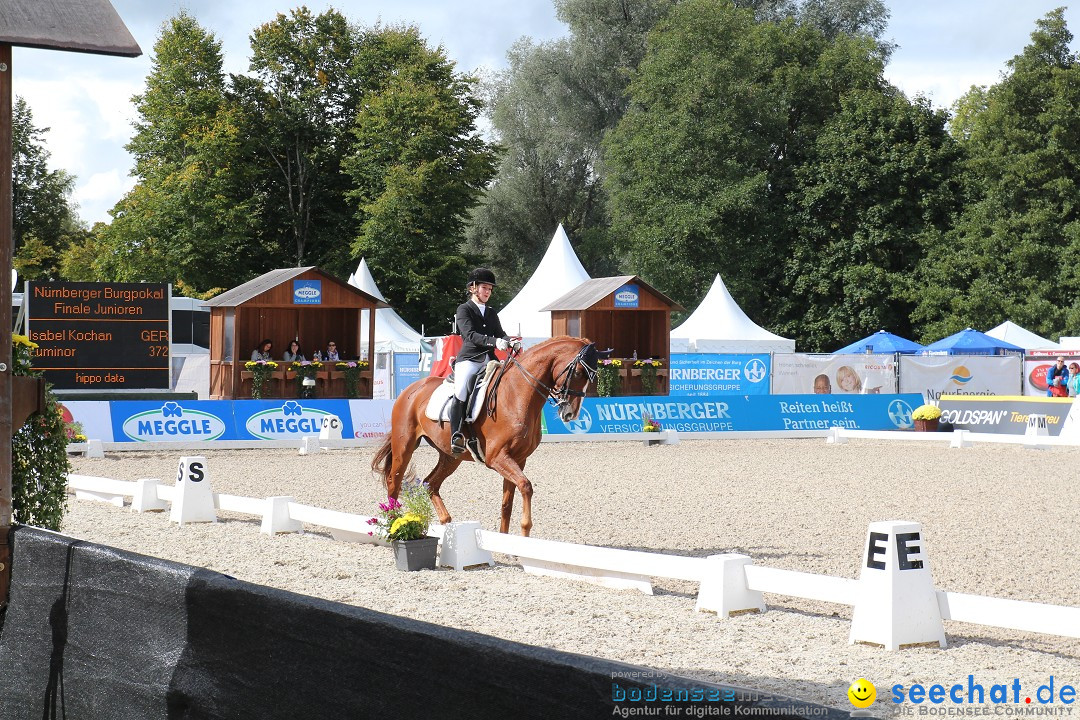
(572, 370)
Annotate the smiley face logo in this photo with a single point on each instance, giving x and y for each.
(862, 693)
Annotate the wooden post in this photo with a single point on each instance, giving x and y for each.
(6, 216)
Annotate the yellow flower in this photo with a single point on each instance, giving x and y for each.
(24, 341)
(403, 521)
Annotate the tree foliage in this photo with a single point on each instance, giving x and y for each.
(1009, 254)
(44, 219)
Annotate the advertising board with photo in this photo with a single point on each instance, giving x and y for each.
(798, 373)
(937, 375)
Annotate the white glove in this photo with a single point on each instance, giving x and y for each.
(501, 344)
(515, 345)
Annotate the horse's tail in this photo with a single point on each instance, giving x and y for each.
(383, 458)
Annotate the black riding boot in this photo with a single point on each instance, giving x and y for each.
(457, 414)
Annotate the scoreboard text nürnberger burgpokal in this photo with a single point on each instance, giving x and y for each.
(100, 335)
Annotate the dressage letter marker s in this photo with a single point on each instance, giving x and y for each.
(896, 602)
(193, 500)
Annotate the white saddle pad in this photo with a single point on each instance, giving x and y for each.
(438, 407)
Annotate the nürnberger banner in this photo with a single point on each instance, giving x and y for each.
(798, 373)
(1002, 414)
(1037, 362)
(937, 375)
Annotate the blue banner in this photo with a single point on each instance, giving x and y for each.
(191, 420)
(703, 374)
(406, 371)
(739, 413)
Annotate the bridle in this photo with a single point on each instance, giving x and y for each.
(558, 394)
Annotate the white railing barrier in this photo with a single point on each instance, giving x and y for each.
(957, 438)
(893, 599)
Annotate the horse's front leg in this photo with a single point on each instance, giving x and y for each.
(512, 473)
(443, 468)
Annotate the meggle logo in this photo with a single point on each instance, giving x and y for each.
(307, 293)
(288, 421)
(626, 296)
(172, 422)
(960, 375)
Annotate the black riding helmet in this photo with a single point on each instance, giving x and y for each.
(482, 275)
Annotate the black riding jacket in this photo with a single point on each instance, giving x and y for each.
(478, 332)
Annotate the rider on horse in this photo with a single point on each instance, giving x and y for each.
(481, 334)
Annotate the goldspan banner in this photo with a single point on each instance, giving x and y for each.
(937, 375)
(1002, 414)
(798, 373)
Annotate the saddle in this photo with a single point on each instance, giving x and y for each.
(438, 407)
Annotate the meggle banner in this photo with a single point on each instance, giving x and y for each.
(1003, 414)
(710, 374)
(172, 420)
(286, 419)
(935, 375)
(795, 373)
(738, 413)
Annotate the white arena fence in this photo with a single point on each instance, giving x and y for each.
(894, 602)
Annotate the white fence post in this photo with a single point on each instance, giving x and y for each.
(723, 586)
(276, 517)
(146, 496)
(309, 445)
(193, 499)
(896, 602)
(459, 548)
(94, 449)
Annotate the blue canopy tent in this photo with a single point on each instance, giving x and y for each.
(881, 342)
(971, 342)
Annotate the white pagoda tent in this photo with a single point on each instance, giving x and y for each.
(1012, 333)
(558, 273)
(720, 326)
(392, 334)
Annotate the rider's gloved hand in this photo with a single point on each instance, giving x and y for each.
(515, 345)
(502, 344)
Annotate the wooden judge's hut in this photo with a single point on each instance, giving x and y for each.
(303, 303)
(625, 314)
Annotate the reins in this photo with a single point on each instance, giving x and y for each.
(557, 395)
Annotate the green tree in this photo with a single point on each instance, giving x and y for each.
(44, 219)
(190, 217)
(703, 166)
(298, 108)
(418, 166)
(879, 185)
(1010, 254)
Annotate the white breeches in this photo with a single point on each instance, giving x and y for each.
(464, 370)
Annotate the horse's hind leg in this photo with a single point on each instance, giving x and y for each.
(402, 448)
(443, 468)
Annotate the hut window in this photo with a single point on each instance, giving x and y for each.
(230, 330)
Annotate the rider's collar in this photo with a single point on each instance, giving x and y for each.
(482, 306)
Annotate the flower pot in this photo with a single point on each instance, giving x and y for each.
(415, 554)
(927, 425)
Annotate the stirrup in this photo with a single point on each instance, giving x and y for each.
(457, 443)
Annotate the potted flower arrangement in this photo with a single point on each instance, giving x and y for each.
(260, 372)
(305, 377)
(648, 370)
(649, 425)
(352, 372)
(607, 376)
(926, 418)
(405, 524)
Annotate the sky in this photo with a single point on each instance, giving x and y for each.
(943, 48)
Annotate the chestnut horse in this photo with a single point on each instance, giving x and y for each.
(507, 429)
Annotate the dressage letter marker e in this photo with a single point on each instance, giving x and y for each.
(193, 500)
(896, 604)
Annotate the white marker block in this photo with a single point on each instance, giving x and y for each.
(724, 589)
(835, 437)
(94, 449)
(1035, 431)
(193, 499)
(459, 549)
(896, 602)
(276, 516)
(960, 439)
(331, 428)
(146, 496)
(309, 445)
